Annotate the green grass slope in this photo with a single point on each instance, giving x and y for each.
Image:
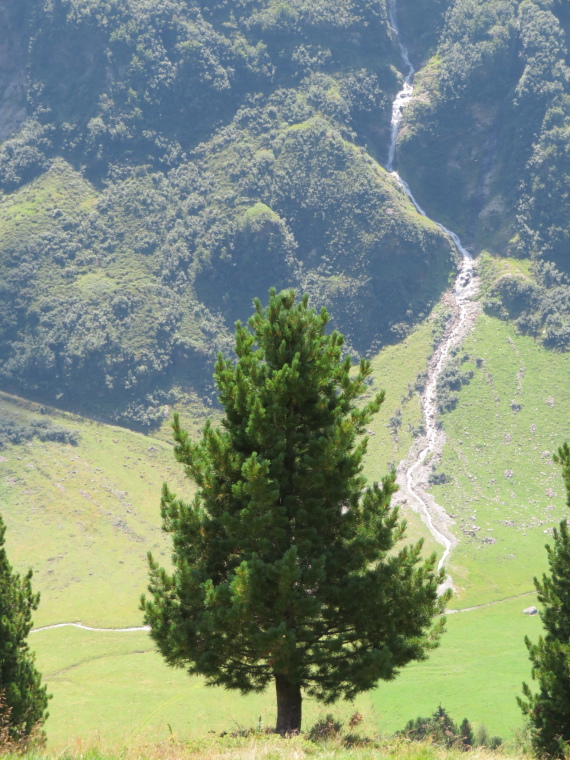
(505, 492)
(84, 516)
(115, 687)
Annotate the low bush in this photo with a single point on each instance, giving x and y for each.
(450, 382)
(440, 729)
(540, 307)
(13, 431)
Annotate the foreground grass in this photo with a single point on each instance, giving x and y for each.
(265, 746)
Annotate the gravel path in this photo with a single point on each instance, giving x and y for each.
(490, 604)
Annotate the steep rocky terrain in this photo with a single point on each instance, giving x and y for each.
(486, 143)
(163, 164)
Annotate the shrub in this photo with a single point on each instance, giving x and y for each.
(443, 731)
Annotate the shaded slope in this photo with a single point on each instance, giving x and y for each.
(186, 157)
(113, 298)
(485, 144)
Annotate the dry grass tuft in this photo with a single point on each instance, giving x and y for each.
(265, 746)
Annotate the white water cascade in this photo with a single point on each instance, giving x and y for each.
(400, 102)
(465, 288)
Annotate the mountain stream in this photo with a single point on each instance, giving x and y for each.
(414, 471)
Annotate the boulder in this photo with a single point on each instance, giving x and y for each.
(530, 611)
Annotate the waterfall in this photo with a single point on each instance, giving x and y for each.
(400, 102)
(405, 95)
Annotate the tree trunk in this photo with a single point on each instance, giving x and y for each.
(289, 706)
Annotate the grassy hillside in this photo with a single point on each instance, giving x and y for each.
(114, 687)
(500, 439)
(104, 491)
(84, 516)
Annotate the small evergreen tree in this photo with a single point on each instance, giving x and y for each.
(466, 734)
(440, 729)
(548, 710)
(283, 565)
(23, 699)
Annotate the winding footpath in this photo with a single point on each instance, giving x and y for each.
(413, 472)
(90, 628)
(146, 628)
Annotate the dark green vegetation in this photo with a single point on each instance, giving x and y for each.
(548, 709)
(166, 162)
(442, 730)
(14, 431)
(23, 700)
(486, 146)
(538, 302)
(179, 158)
(283, 563)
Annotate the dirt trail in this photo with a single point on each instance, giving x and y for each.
(146, 628)
(90, 628)
(490, 604)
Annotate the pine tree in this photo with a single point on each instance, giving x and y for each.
(440, 729)
(466, 734)
(548, 709)
(284, 568)
(23, 700)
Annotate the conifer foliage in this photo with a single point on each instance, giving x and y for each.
(548, 710)
(283, 565)
(441, 729)
(23, 700)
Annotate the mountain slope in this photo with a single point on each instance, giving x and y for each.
(485, 146)
(164, 163)
(179, 159)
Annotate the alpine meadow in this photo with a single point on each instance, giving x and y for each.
(284, 379)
